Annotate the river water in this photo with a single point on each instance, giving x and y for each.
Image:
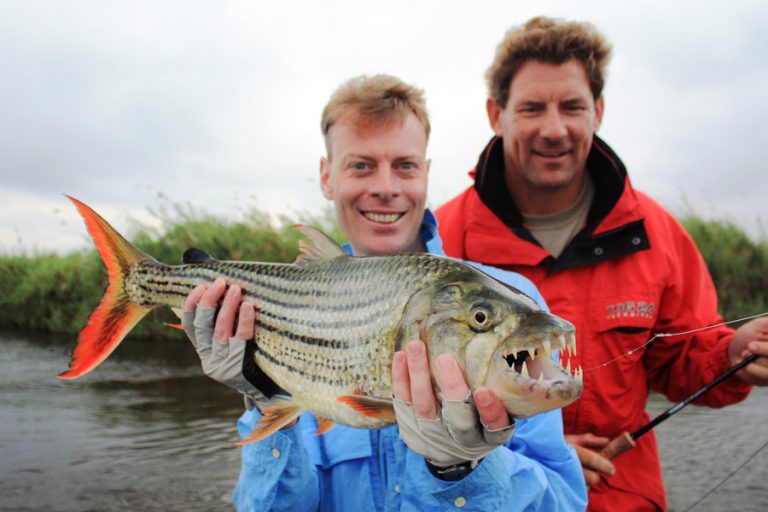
(147, 431)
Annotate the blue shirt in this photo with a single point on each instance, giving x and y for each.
(354, 470)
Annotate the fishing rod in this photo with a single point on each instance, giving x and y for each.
(625, 440)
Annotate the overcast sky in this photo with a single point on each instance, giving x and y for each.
(218, 103)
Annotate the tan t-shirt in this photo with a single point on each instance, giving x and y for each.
(555, 230)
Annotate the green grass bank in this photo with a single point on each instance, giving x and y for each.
(55, 293)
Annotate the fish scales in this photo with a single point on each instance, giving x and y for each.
(322, 330)
(321, 373)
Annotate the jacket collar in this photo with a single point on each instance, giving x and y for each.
(614, 223)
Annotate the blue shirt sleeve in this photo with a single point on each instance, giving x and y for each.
(506, 480)
(275, 473)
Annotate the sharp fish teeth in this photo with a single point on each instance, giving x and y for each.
(547, 348)
(541, 378)
(514, 352)
(532, 354)
(568, 367)
(561, 341)
(524, 371)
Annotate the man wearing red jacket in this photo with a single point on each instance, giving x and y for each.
(553, 202)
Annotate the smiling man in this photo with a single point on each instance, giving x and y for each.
(546, 128)
(376, 176)
(552, 201)
(458, 449)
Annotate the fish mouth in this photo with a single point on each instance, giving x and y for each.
(536, 364)
(524, 374)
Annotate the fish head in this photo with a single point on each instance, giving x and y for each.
(501, 339)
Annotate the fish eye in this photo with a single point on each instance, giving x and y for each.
(480, 318)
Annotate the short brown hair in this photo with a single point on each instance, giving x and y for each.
(378, 98)
(548, 40)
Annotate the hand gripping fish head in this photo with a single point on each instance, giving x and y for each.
(500, 337)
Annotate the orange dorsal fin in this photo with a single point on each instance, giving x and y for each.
(116, 315)
(278, 414)
(323, 426)
(372, 407)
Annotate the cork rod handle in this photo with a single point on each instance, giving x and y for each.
(618, 445)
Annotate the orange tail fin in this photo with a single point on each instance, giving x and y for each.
(116, 315)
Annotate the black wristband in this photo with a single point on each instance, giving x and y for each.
(255, 376)
(452, 473)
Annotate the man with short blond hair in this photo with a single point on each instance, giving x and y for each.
(376, 99)
(375, 172)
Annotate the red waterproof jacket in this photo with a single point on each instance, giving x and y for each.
(632, 272)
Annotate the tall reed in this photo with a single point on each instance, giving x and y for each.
(738, 264)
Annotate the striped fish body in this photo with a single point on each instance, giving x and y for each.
(325, 329)
(328, 325)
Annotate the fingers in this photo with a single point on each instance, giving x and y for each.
(592, 462)
(492, 412)
(246, 322)
(755, 372)
(190, 304)
(453, 386)
(451, 379)
(231, 308)
(210, 298)
(751, 337)
(401, 381)
(422, 395)
(591, 477)
(588, 440)
(225, 320)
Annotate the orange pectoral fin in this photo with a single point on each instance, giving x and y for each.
(380, 408)
(273, 418)
(323, 426)
(174, 326)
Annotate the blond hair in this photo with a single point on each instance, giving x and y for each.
(377, 98)
(553, 41)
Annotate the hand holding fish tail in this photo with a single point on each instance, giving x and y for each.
(225, 357)
(593, 464)
(450, 432)
(751, 338)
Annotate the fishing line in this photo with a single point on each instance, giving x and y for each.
(729, 476)
(669, 335)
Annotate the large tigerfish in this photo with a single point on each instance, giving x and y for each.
(329, 324)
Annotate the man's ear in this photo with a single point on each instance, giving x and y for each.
(326, 184)
(599, 108)
(494, 116)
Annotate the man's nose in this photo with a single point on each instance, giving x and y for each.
(553, 125)
(385, 183)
